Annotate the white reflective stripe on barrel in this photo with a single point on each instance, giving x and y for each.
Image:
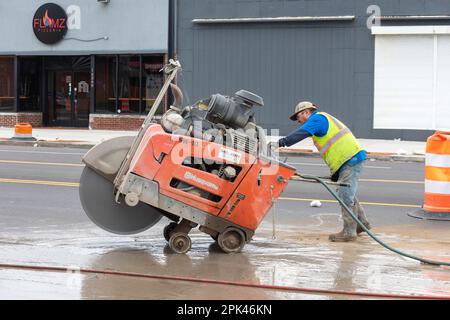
(23, 135)
(437, 160)
(441, 187)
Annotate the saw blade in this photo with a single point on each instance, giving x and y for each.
(97, 199)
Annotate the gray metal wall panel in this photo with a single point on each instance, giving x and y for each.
(330, 63)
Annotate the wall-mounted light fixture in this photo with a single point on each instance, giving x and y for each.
(103, 1)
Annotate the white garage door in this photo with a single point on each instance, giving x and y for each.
(412, 78)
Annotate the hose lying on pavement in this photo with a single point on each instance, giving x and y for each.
(350, 212)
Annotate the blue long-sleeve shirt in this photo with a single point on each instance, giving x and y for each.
(317, 125)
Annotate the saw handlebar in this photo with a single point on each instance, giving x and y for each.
(298, 177)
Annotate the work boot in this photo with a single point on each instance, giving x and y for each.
(344, 236)
(348, 233)
(359, 229)
(357, 208)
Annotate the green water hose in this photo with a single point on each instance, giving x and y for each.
(333, 193)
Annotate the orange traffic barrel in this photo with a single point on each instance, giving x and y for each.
(436, 204)
(23, 131)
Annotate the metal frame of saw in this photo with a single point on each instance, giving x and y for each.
(171, 69)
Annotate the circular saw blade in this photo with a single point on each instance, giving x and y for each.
(97, 199)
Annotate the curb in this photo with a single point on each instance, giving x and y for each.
(49, 144)
(282, 153)
(397, 157)
(370, 155)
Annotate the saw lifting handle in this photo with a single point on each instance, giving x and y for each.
(297, 177)
(171, 70)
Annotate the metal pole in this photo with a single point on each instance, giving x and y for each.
(273, 214)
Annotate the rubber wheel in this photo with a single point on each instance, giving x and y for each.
(168, 229)
(180, 242)
(232, 240)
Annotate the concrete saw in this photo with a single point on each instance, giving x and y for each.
(96, 191)
(205, 165)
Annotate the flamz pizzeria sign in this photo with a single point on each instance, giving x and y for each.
(50, 23)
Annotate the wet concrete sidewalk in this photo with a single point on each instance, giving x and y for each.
(300, 256)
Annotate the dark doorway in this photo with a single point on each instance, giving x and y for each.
(68, 91)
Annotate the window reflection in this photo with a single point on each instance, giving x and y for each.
(7, 85)
(137, 85)
(152, 82)
(29, 84)
(129, 69)
(105, 84)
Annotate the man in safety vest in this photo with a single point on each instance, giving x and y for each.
(341, 152)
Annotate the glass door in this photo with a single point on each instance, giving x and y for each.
(71, 98)
(63, 96)
(81, 98)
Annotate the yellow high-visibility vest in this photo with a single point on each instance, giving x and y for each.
(338, 145)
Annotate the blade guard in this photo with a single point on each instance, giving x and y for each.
(106, 157)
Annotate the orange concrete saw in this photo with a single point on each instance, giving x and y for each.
(204, 166)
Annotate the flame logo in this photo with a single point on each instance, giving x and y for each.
(47, 21)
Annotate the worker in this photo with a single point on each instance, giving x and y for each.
(341, 152)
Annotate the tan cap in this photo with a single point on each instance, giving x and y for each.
(300, 107)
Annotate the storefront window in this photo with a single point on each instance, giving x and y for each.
(137, 84)
(7, 85)
(105, 83)
(129, 71)
(152, 82)
(29, 84)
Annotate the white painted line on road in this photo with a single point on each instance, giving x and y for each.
(76, 184)
(392, 181)
(82, 165)
(324, 165)
(375, 167)
(46, 152)
(361, 202)
(43, 163)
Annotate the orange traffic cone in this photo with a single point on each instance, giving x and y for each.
(437, 179)
(23, 131)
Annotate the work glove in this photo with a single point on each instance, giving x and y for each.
(335, 176)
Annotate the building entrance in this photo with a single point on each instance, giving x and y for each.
(68, 91)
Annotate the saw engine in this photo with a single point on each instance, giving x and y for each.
(220, 119)
(227, 121)
(205, 165)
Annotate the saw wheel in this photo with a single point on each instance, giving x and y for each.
(97, 199)
(232, 240)
(180, 242)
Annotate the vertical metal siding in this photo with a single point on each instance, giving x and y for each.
(283, 64)
(328, 63)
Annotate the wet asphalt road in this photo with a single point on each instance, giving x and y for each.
(43, 223)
